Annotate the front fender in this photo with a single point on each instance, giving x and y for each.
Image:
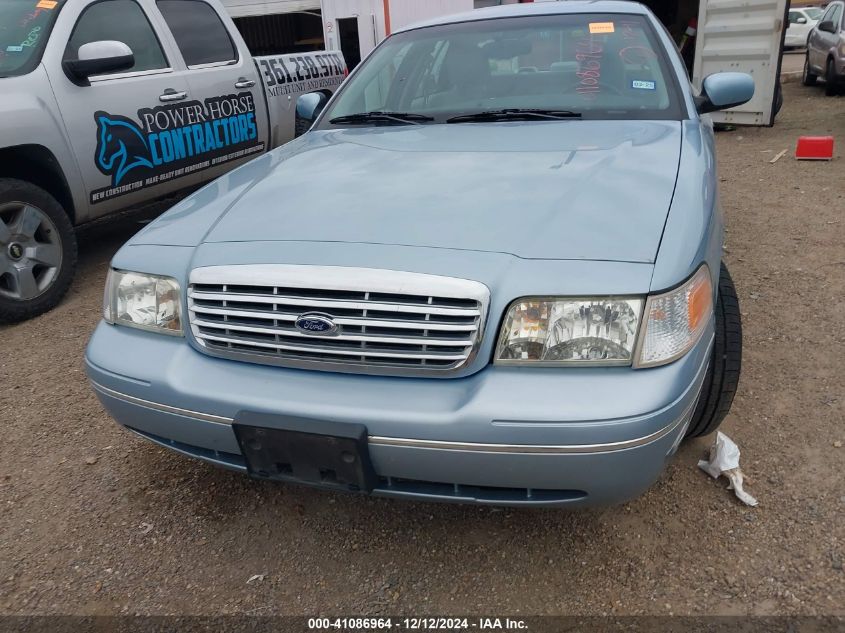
(694, 230)
(30, 116)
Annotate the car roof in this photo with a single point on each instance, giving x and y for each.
(534, 8)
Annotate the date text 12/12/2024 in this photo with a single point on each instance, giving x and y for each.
(417, 623)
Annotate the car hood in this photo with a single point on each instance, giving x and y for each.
(597, 190)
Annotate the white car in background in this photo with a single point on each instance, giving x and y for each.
(801, 22)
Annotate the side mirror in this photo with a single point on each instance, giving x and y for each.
(827, 26)
(309, 106)
(97, 58)
(721, 91)
(801, 21)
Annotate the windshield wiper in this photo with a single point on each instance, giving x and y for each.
(378, 115)
(514, 114)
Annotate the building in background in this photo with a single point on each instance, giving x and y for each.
(272, 27)
(356, 26)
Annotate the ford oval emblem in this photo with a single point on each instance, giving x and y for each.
(315, 323)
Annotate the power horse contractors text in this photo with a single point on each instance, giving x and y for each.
(172, 141)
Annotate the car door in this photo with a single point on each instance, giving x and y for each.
(814, 43)
(109, 118)
(822, 41)
(794, 28)
(223, 77)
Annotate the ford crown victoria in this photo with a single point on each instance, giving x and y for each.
(490, 272)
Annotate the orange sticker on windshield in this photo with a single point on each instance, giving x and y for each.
(601, 27)
(46, 4)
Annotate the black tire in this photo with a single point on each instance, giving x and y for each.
(722, 379)
(831, 86)
(807, 77)
(57, 230)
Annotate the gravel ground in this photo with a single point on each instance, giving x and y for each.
(95, 521)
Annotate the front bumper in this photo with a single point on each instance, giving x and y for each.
(505, 436)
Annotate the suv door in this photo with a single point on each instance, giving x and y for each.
(220, 73)
(110, 119)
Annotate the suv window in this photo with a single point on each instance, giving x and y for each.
(199, 32)
(124, 21)
(833, 14)
(837, 16)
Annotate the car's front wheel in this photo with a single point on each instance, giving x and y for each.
(807, 77)
(722, 378)
(831, 86)
(37, 251)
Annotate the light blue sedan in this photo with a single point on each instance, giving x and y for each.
(489, 273)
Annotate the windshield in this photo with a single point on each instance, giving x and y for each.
(813, 13)
(599, 66)
(25, 26)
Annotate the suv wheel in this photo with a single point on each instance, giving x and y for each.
(831, 88)
(37, 251)
(722, 379)
(808, 78)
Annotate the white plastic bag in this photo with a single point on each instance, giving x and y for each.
(724, 460)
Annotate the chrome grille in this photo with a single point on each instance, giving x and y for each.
(388, 322)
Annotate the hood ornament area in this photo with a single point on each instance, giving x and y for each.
(316, 324)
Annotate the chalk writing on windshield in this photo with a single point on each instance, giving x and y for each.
(32, 38)
(588, 54)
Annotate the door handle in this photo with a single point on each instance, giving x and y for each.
(172, 95)
(243, 82)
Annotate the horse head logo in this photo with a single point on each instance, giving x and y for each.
(121, 146)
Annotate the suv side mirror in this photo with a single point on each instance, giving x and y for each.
(828, 26)
(721, 91)
(801, 21)
(96, 58)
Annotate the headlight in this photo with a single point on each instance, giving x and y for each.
(675, 321)
(148, 302)
(558, 331)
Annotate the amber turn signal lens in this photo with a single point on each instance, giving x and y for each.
(675, 320)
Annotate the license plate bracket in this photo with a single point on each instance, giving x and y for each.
(314, 452)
